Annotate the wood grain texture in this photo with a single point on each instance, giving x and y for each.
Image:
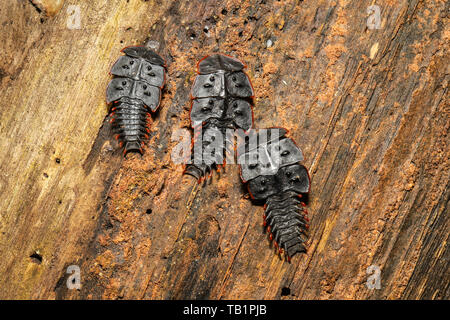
(369, 108)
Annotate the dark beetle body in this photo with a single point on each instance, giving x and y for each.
(222, 98)
(273, 175)
(134, 91)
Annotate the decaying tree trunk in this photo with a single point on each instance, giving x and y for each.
(366, 102)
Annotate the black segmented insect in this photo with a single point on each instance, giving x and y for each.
(221, 99)
(270, 167)
(134, 92)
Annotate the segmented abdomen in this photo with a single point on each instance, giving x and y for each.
(274, 175)
(130, 123)
(134, 92)
(222, 98)
(286, 220)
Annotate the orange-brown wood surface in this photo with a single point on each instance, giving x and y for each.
(368, 106)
